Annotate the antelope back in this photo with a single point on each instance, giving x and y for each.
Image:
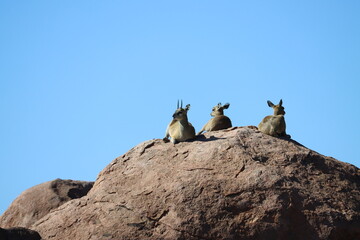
(274, 125)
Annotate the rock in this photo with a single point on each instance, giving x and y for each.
(39, 200)
(230, 184)
(18, 234)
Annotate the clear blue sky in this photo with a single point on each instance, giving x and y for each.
(82, 82)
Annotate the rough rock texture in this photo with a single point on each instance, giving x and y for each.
(39, 200)
(230, 184)
(18, 234)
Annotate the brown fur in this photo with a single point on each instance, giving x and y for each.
(274, 125)
(220, 121)
(180, 129)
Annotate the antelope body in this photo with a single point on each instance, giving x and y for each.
(180, 129)
(274, 125)
(219, 120)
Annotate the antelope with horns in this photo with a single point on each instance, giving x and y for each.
(219, 120)
(274, 125)
(180, 129)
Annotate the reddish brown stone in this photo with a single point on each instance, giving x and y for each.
(230, 184)
(39, 200)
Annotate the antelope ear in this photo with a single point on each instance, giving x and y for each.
(280, 103)
(270, 103)
(226, 105)
(187, 107)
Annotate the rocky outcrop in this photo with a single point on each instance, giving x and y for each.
(39, 200)
(230, 184)
(18, 234)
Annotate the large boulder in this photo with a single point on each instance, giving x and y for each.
(39, 200)
(230, 184)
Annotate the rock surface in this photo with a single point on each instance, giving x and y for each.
(230, 184)
(38, 201)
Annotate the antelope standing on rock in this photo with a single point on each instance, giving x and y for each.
(219, 120)
(180, 129)
(274, 125)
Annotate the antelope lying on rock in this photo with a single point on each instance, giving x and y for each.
(219, 120)
(180, 129)
(274, 125)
